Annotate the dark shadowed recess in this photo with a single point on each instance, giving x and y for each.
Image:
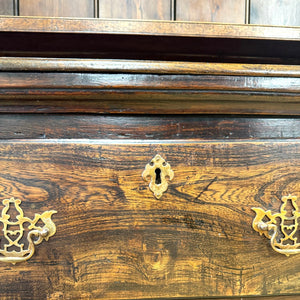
(149, 47)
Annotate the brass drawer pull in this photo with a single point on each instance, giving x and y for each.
(14, 231)
(281, 228)
(159, 171)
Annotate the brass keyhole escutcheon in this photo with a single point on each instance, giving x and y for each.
(159, 172)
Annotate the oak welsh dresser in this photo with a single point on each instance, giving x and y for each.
(148, 160)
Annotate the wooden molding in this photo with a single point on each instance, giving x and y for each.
(134, 86)
(145, 66)
(137, 27)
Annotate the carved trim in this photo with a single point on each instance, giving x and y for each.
(35, 236)
(281, 228)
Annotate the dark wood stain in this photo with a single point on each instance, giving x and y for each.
(177, 92)
(153, 103)
(146, 127)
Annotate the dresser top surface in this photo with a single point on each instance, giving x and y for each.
(148, 28)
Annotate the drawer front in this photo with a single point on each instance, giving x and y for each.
(115, 240)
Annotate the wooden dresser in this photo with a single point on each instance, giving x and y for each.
(149, 160)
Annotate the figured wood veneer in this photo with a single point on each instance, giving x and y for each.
(114, 240)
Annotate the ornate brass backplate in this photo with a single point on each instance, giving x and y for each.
(281, 228)
(159, 171)
(13, 231)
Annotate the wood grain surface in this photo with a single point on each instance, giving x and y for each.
(114, 240)
(89, 81)
(146, 127)
(150, 103)
(223, 11)
(138, 27)
(145, 66)
(57, 8)
(275, 12)
(135, 9)
(149, 93)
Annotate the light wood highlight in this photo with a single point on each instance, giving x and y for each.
(223, 11)
(158, 28)
(145, 66)
(57, 8)
(275, 12)
(7, 7)
(135, 9)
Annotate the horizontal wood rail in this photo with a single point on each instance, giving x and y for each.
(59, 85)
(137, 27)
(139, 66)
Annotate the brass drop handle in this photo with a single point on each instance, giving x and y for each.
(13, 236)
(281, 228)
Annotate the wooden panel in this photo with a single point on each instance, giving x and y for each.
(114, 240)
(150, 127)
(275, 12)
(57, 8)
(225, 11)
(135, 9)
(7, 7)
